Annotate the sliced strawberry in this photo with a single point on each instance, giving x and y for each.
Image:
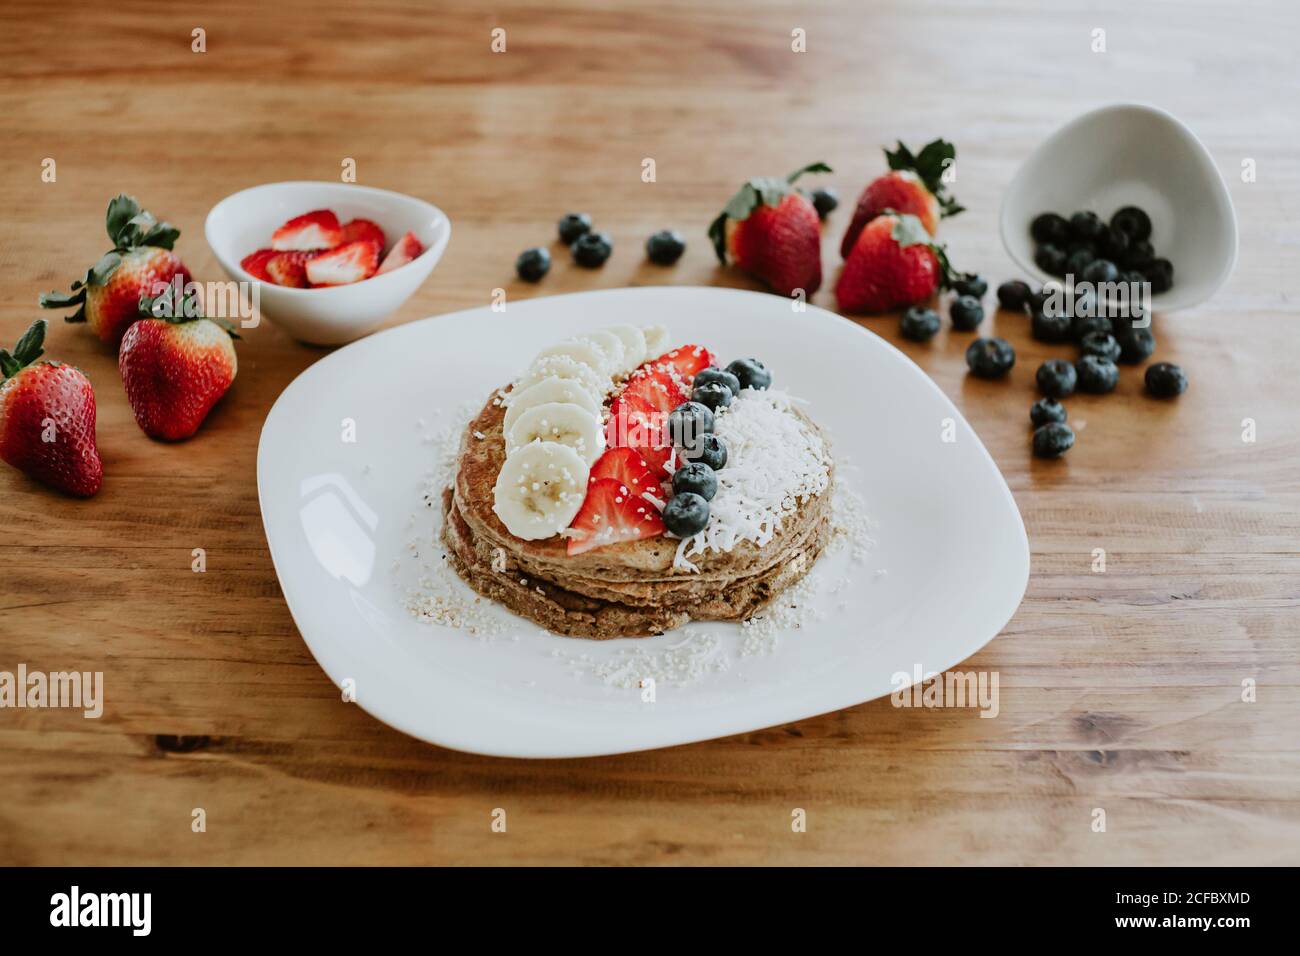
(612, 513)
(629, 467)
(657, 389)
(359, 229)
(255, 264)
(639, 414)
(313, 230)
(344, 265)
(689, 360)
(288, 268)
(406, 249)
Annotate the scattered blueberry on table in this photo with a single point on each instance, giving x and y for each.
(572, 225)
(990, 358)
(966, 313)
(665, 247)
(1097, 376)
(591, 249)
(1166, 380)
(533, 264)
(825, 201)
(1053, 440)
(919, 324)
(1045, 411)
(1056, 378)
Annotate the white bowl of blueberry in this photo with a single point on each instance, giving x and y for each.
(1125, 193)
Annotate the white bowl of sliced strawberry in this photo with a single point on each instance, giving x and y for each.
(330, 261)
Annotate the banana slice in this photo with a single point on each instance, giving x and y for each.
(568, 368)
(562, 423)
(585, 352)
(611, 347)
(540, 489)
(547, 390)
(633, 339)
(656, 340)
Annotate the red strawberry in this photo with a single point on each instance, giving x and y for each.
(771, 230)
(346, 264)
(175, 369)
(626, 465)
(255, 264)
(656, 389)
(314, 230)
(289, 269)
(638, 415)
(139, 264)
(915, 186)
(689, 360)
(47, 418)
(407, 248)
(359, 229)
(893, 264)
(612, 513)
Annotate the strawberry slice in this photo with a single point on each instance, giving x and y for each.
(313, 230)
(637, 417)
(344, 265)
(656, 388)
(407, 248)
(626, 465)
(359, 229)
(689, 360)
(255, 264)
(288, 268)
(612, 513)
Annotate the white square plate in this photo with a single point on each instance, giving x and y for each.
(350, 536)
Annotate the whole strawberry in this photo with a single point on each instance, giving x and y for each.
(893, 264)
(108, 295)
(772, 231)
(915, 186)
(175, 367)
(47, 418)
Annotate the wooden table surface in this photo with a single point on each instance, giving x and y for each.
(1120, 690)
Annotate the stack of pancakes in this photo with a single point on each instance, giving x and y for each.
(629, 589)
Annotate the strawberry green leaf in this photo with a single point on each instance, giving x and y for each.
(908, 230)
(718, 236)
(935, 157)
(28, 350)
(103, 270)
(8, 364)
(810, 168)
(63, 300)
(121, 210)
(162, 234)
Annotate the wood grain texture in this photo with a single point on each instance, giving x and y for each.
(1119, 690)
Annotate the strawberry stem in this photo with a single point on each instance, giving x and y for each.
(929, 164)
(28, 350)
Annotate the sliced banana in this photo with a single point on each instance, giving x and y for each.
(585, 352)
(561, 423)
(568, 368)
(634, 348)
(656, 340)
(547, 390)
(611, 347)
(540, 489)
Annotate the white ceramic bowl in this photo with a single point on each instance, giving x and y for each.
(242, 223)
(1130, 154)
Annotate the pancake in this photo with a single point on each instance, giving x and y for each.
(631, 588)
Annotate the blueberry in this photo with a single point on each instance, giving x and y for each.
(1081, 245)
(990, 358)
(1140, 252)
(713, 394)
(1056, 378)
(709, 450)
(966, 313)
(1050, 258)
(919, 324)
(1050, 326)
(665, 247)
(1165, 380)
(592, 249)
(1077, 262)
(825, 201)
(1097, 375)
(1014, 295)
(1100, 344)
(1053, 440)
(532, 264)
(689, 422)
(1038, 300)
(1100, 270)
(1113, 244)
(686, 514)
(1084, 325)
(1131, 275)
(972, 285)
(1049, 227)
(572, 225)
(1085, 225)
(1160, 273)
(1132, 221)
(696, 478)
(751, 372)
(714, 374)
(1045, 411)
(1136, 345)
